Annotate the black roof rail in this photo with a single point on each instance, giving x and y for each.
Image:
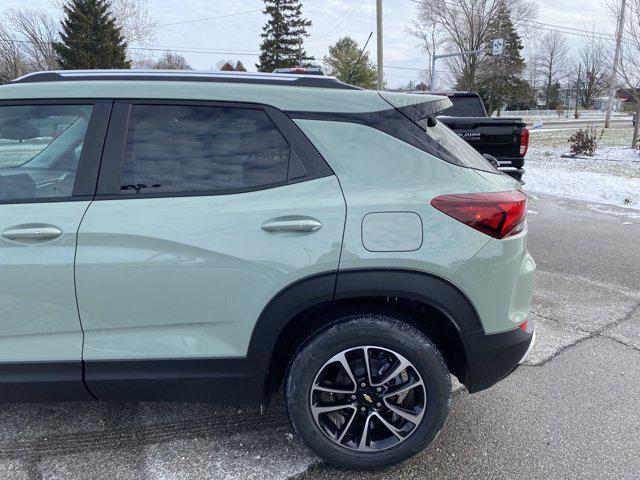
(315, 81)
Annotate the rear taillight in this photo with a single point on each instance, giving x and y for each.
(499, 214)
(524, 141)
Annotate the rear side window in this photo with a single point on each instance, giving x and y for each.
(40, 148)
(448, 146)
(186, 148)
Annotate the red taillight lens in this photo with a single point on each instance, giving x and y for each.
(524, 142)
(497, 214)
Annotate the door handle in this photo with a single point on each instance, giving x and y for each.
(296, 224)
(32, 233)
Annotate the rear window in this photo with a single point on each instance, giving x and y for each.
(470, 106)
(453, 149)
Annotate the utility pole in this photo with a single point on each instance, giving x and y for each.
(616, 61)
(379, 44)
(575, 113)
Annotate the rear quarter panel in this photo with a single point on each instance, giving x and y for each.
(379, 173)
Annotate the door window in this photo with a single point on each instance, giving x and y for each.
(186, 148)
(40, 148)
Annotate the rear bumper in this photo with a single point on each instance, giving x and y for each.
(491, 357)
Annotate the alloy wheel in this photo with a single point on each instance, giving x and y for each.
(368, 398)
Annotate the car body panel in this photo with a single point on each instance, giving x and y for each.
(282, 97)
(189, 276)
(361, 156)
(38, 313)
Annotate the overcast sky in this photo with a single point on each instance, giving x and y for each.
(239, 34)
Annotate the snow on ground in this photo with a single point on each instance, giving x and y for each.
(611, 176)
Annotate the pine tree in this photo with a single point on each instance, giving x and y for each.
(282, 36)
(90, 37)
(341, 62)
(500, 79)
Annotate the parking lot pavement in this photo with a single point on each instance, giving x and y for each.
(570, 412)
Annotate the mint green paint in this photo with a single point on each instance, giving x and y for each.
(499, 281)
(400, 100)
(189, 276)
(379, 173)
(392, 232)
(283, 97)
(38, 314)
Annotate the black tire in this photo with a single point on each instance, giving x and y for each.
(351, 330)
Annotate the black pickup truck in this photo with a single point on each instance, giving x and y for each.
(507, 139)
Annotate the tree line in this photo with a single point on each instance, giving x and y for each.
(535, 69)
(107, 34)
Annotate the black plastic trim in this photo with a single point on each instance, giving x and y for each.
(423, 287)
(492, 357)
(113, 157)
(216, 380)
(420, 111)
(313, 81)
(42, 382)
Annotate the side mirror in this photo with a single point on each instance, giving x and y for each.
(491, 159)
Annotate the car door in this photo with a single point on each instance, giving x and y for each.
(49, 158)
(205, 211)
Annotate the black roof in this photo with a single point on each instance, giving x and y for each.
(315, 81)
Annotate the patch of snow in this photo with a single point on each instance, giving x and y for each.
(587, 186)
(612, 176)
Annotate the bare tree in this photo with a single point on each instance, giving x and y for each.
(172, 61)
(12, 62)
(629, 67)
(593, 59)
(132, 16)
(466, 26)
(38, 32)
(430, 36)
(554, 64)
(26, 42)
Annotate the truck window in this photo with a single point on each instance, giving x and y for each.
(465, 106)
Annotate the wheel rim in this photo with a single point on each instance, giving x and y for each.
(368, 398)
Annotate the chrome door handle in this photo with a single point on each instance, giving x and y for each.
(291, 225)
(32, 233)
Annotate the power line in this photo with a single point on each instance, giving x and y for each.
(210, 18)
(550, 27)
(338, 24)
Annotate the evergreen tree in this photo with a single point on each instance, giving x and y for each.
(90, 37)
(282, 36)
(342, 59)
(500, 77)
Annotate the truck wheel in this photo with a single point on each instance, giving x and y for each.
(368, 391)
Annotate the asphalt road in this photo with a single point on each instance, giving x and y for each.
(571, 412)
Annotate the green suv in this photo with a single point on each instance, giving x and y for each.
(222, 237)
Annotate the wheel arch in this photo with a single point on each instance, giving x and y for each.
(435, 305)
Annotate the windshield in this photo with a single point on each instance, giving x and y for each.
(453, 149)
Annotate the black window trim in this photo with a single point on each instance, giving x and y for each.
(87, 173)
(109, 179)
